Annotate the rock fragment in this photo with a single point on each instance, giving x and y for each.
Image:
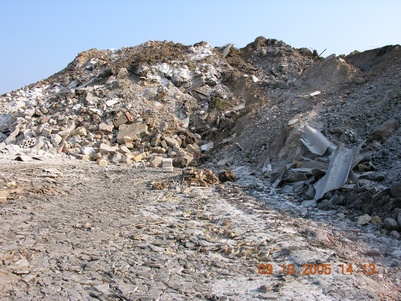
(227, 176)
(364, 219)
(131, 131)
(391, 224)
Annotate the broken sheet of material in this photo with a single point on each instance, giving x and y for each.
(315, 141)
(337, 173)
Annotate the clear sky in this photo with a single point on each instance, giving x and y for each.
(40, 37)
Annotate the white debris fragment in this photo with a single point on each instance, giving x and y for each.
(316, 93)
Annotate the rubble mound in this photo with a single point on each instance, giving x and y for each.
(222, 106)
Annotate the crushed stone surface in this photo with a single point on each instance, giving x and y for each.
(79, 231)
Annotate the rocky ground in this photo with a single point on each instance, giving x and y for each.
(78, 231)
(283, 160)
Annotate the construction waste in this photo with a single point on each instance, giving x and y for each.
(322, 129)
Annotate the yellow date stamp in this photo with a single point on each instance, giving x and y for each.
(318, 269)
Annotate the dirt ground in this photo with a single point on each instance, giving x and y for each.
(73, 230)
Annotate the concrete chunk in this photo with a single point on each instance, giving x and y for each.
(172, 142)
(106, 149)
(106, 127)
(132, 131)
(167, 165)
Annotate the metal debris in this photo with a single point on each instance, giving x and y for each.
(315, 141)
(316, 177)
(337, 173)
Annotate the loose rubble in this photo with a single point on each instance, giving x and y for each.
(215, 140)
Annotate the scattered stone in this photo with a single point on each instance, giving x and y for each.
(364, 219)
(395, 234)
(155, 140)
(159, 185)
(374, 253)
(383, 132)
(391, 224)
(139, 157)
(96, 156)
(106, 127)
(131, 131)
(46, 132)
(341, 215)
(227, 176)
(120, 119)
(167, 165)
(193, 149)
(173, 143)
(124, 149)
(399, 218)
(181, 162)
(106, 149)
(3, 195)
(201, 177)
(376, 220)
(102, 162)
(87, 226)
(395, 190)
(56, 139)
(156, 161)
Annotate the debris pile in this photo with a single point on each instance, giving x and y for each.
(169, 105)
(199, 177)
(333, 167)
(123, 107)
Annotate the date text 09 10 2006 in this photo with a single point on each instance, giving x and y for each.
(319, 269)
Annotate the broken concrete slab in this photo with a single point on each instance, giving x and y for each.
(132, 131)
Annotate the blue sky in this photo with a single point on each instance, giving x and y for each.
(39, 37)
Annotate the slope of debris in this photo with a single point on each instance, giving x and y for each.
(226, 107)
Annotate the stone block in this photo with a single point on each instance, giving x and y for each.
(56, 139)
(88, 151)
(132, 131)
(172, 142)
(164, 144)
(156, 161)
(102, 162)
(139, 157)
(167, 165)
(106, 127)
(120, 119)
(395, 190)
(124, 149)
(106, 149)
(391, 224)
(46, 132)
(193, 149)
(117, 157)
(364, 219)
(155, 140)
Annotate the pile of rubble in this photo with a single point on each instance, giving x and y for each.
(222, 106)
(93, 113)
